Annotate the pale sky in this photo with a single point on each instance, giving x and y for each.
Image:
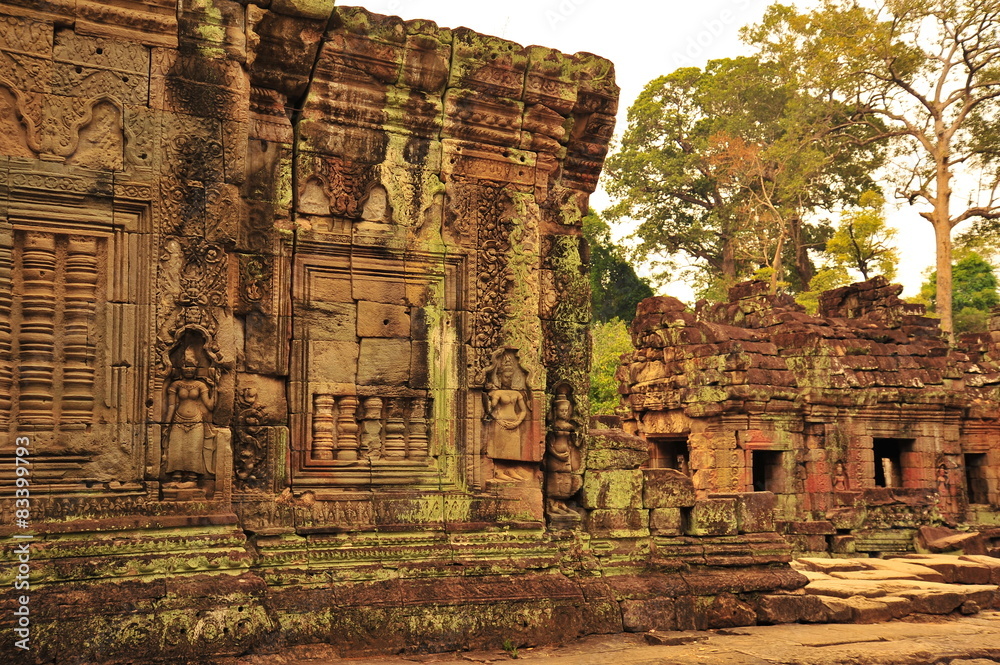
(644, 40)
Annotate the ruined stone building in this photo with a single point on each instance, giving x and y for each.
(861, 421)
(293, 347)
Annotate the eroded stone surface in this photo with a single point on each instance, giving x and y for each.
(862, 421)
(293, 310)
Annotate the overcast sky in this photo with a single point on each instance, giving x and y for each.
(644, 40)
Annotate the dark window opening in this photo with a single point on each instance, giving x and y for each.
(767, 470)
(889, 461)
(975, 477)
(669, 453)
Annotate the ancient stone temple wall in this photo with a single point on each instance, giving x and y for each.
(171, 177)
(861, 421)
(293, 340)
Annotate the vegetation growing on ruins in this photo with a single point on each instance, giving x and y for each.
(610, 340)
(728, 167)
(974, 293)
(924, 78)
(615, 289)
(724, 166)
(863, 242)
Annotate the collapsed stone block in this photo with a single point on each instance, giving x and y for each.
(666, 521)
(754, 511)
(791, 608)
(640, 616)
(667, 488)
(728, 611)
(620, 488)
(713, 517)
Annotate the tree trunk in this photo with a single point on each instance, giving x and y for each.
(776, 264)
(942, 240)
(728, 261)
(803, 266)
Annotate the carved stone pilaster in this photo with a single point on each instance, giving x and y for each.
(347, 428)
(419, 442)
(395, 430)
(323, 427)
(371, 428)
(36, 336)
(6, 367)
(78, 348)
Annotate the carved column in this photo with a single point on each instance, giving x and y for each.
(371, 428)
(347, 428)
(418, 429)
(322, 426)
(80, 305)
(36, 336)
(395, 429)
(6, 373)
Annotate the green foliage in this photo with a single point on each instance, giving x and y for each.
(974, 293)
(610, 340)
(615, 289)
(825, 279)
(863, 240)
(510, 648)
(924, 77)
(722, 166)
(983, 238)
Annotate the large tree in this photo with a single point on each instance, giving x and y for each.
(923, 74)
(724, 165)
(974, 294)
(863, 241)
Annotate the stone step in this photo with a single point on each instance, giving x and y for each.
(954, 569)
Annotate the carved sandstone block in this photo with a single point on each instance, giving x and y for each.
(667, 488)
(612, 489)
(336, 362)
(713, 517)
(383, 362)
(382, 320)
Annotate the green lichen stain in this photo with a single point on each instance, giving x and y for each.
(571, 280)
(522, 329)
(413, 189)
(314, 9)
(376, 27)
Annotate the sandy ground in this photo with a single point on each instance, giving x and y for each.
(918, 640)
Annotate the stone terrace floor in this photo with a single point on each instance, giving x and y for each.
(911, 610)
(918, 640)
